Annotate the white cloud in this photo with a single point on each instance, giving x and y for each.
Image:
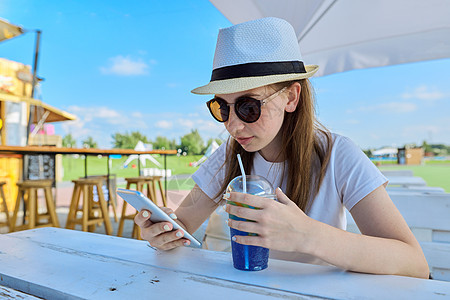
(172, 85)
(90, 113)
(424, 93)
(391, 107)
(76, 128)
(137, 114)
(352, 122)
(164, 124)
(186, 123)
(125, 66)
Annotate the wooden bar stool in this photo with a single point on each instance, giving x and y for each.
(92, 212)
(110, 193)
(140, 183)
(4, 206)
(157, 179)
(28, 189)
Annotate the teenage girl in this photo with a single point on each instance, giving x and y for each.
(264, 98)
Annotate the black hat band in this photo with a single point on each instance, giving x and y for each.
(258, 69)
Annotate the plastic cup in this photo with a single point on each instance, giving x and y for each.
(246, 257)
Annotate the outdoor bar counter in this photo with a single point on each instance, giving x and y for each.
(36, 150)
(55, 263)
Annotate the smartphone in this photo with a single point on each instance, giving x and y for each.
(139, 201)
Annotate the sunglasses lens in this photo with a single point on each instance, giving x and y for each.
(248, 109)
(219, 109)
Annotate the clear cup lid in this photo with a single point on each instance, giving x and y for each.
(256, 185)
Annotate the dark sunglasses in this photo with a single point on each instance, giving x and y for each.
(247, 109)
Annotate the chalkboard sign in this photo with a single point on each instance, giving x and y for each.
(41, 166)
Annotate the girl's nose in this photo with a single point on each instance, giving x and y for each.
(234, 124)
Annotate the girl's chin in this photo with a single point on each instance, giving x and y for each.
(250, 148)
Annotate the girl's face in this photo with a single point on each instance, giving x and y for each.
(264, 134)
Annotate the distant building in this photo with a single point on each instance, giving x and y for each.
(410, 156)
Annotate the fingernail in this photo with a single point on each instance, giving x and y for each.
(224, 207)
(233, 239)
(145, 214)
(166, 227)
(186, 243)
(179, 234)
(278, 188)
(173, 216)
(227, 221)
(226, 196)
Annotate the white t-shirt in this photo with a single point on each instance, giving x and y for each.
(349, 177)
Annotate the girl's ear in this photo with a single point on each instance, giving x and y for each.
(293, 96)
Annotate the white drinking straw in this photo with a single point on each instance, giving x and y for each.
(243, 173)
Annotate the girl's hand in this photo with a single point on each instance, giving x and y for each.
(280, 225)
(160, 235)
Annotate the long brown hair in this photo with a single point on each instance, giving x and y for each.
(306, 147)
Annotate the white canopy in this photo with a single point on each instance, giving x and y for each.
(140, 146)
(341, 35)
(385, 151)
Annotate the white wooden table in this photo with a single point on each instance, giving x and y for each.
(406, 181)
(57, 263)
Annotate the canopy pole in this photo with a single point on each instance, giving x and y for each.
(33, 85)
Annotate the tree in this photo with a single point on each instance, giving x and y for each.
(68, 141)
(427, 147)
(162, 142)
(128, 140)
(218, 141)
(192, 143)
(89, 143)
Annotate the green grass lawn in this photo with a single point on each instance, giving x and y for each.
(435, 173)
(74, 168)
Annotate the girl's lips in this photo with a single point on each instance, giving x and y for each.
(244, 141)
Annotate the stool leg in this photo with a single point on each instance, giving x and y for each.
(5, 207)
(91, 207)
(84, 223)
(16, 210)
(163, 196)
(104, 209)
(152, 191)
(113, 206)
(31, 208)
(51, 207)
(136, 232)
(36, 212)
(73, 207)
(139, 187)
(122, 219)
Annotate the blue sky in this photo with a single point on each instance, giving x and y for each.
(122, 66)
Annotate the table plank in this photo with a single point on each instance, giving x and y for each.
(406, 181)
(89, 265)
(9, 293)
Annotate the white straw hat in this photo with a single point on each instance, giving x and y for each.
(254, 54)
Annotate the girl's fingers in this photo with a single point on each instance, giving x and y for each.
(164, 239)
(244, 226)
(142, 219)
(169, 212)
(243, 212)
(282, 198)
(251, 200)
(252, 240)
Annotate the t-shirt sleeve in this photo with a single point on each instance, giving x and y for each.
(356, 176)
(210, 175)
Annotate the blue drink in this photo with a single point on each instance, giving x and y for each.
(246, 257)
